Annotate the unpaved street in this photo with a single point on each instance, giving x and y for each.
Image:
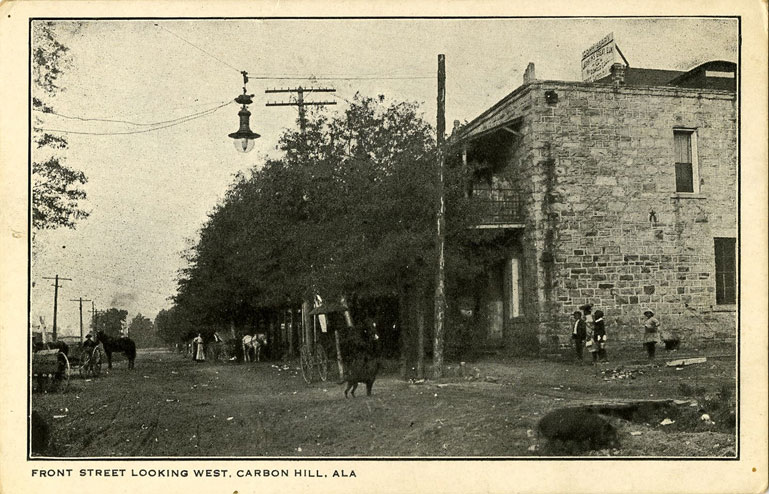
(171, 406)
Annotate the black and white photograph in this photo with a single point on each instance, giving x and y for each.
(372, 240)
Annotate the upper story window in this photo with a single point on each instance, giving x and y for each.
(687, 171)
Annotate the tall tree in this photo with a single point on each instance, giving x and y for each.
(112, 321)
(348, 210)
(56, 192)
(142, 331)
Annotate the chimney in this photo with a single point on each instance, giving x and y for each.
(457, 125)
(618, 74)
(529, 75)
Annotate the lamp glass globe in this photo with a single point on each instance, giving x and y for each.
(244, 145)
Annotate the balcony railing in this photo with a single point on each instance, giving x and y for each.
(498, 206)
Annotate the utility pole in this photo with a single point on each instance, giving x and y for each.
(81, 300)
(440, 289)
(93, 315)
(301, 103)
(55, 298)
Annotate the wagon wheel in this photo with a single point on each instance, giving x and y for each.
(96, 362)
(321, 360)
(85, 364)
(61, 380)
(305, 361)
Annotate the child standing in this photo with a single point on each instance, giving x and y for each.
(599, 337)
(651, 333)
(578, 334)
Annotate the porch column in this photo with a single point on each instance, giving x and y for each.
(464, 166)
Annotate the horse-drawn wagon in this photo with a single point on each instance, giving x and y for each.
(312, 355)
(50, 370)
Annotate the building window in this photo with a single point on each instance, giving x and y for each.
(726, 271)
(687, 172)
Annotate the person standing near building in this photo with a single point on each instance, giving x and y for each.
(578, 334)
(198, 354)
(599, 337)
(651, 333)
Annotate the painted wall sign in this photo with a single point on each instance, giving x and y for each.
(598, 59)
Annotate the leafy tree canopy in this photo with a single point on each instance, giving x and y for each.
(56, 192)
(348, 209)
(111, 321)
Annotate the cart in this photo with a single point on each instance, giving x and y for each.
(50, 371)
(90, 362)
(312, 355)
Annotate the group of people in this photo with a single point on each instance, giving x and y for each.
(589, 331)
(198, 347)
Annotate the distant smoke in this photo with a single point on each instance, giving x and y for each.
(122, 300)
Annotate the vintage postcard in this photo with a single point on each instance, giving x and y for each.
(480, 247)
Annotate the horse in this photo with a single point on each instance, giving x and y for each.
(124, 345)
(255, 343)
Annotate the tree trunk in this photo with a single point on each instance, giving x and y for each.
(307, 321)
(290, 323)
(420, 320)
(403, 330)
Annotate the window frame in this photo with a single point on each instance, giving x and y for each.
(732, 241)
(695, 164)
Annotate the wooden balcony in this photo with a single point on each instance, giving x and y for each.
(498, 207)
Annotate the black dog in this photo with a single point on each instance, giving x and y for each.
(362, 363)
(361, 370)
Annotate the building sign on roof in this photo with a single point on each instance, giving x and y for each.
(598, 59)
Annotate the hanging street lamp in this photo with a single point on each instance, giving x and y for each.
(244, 138)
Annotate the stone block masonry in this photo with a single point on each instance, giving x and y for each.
(601, 173)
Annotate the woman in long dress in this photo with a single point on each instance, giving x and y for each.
(198, 353)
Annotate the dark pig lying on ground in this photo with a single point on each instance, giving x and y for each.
(574, 429)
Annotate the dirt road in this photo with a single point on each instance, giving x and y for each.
(171, 406)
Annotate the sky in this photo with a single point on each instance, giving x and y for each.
(149, 193)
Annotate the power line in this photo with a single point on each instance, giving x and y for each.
(178, 121)
(146, 124)
(300, 102)
(199, 48)
(340, 97)
(337, 78)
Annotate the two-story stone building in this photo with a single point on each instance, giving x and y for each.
(621, 193)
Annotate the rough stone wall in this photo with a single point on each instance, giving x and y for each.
(599, 161)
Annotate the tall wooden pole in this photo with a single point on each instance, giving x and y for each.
(440, 289)
(55, 305)
(55, 300)
(307, 303)
(80, 300)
